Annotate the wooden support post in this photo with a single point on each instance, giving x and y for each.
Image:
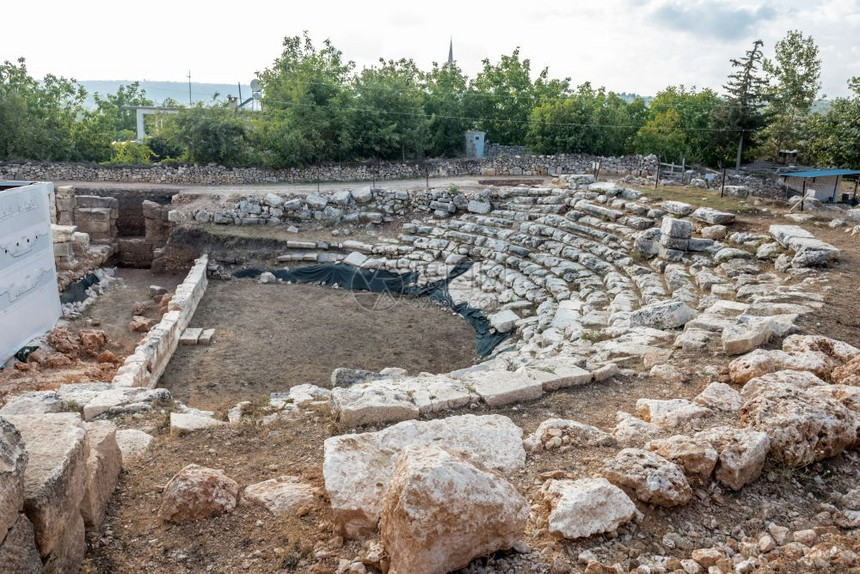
(723, 185)
(835, 189)
(318, 178)
(657, 179)
(803, 195)
(596, 170)
(854, 199)
(683, 170)
(426, 175)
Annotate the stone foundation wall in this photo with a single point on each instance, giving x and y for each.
(502, 164)
(144, 367)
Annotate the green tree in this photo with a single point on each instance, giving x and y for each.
(504, 96)
(679, 125)
(208, 135)
(446, 103)
(37, 119)
(834, 137)
(587, 121)
(387, 115)
(739, 117)
(115, 111)
(793, 86)
(306, 104)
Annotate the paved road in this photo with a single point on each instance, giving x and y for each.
(296, 188)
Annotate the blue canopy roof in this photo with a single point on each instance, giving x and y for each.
(822, 173)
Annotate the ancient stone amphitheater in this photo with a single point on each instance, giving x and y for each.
(602, 290)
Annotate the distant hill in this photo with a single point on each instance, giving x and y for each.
(160, 91)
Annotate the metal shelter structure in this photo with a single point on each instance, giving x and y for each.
(826, 183)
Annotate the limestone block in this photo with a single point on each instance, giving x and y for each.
(282, 496)
(34, 403)
(103, 466)
(504, 321)
(503, 387)
(190, 336)
(13, 464)
(712, 216)
(56, 475)
(18, 553)
(803, 427)
(441, 511)
(132, 444)
(679, 228)
(358, 467)
(184, 423)
(554, 433)
(663, 315)
(368, 404)
(582, 508)
(119, 399)
(720, 396)
(677, 208)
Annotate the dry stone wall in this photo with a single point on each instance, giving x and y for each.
(503, 164)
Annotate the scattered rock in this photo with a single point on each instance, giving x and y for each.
(582, 508)
(132, 444)
(140, 324)
(670, 414)
(696, 457)
(13, 463)
(742, 454)
(197, 492)
(34, 403)
(650, 476)
(554, 433)
(720, 396)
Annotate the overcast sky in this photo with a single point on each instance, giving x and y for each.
(625, 45)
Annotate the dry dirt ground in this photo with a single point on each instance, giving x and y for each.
(111, 313)
(271, 337)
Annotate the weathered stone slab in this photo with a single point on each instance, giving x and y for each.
(190, 336)
(503, 387)
(555, 433)
(282, 496)
(696, 457)
(184, 423)
(742, 454)
(124, 399)
(358, 467)
(34, 403)
(504, 321)
(679, 228)
(671, 413)
(712, 216)
(664, 315)
(369, 403)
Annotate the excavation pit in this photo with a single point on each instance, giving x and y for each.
(270, 337)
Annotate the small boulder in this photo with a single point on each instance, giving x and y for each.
(582, 508)
(13, 462)
(696, 457)
(132, 444)
(140, 324)
(651, 477)
(442, 511)
(720, 396)
(197, 492)
(672, 413)
(742, 454)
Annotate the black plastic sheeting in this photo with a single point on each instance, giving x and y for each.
(77, 291)
(382, 281)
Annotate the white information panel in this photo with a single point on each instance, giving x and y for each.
(29, 300)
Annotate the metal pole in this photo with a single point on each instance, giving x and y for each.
(683, 170)
(723, 185)
(318, 178)
(189, 88)
(856, 181)
(597, 170)
(657, 179)
(426, 176)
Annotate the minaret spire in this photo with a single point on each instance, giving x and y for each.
(451, 52)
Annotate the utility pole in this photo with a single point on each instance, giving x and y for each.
(189, 88)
